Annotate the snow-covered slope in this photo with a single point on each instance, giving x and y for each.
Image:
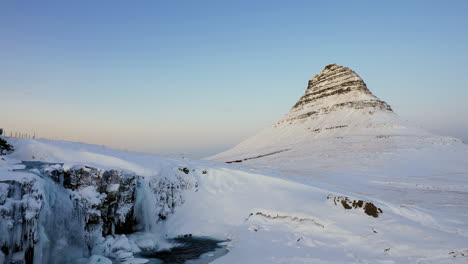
(405, 208)
(341, 137)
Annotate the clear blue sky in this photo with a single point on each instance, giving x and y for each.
(199, 76)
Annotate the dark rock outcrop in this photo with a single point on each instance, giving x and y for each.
(368, 207)
(5, 148)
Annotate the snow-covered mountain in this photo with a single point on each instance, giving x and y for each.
(336, 104)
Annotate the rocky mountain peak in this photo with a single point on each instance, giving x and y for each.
(336, 87)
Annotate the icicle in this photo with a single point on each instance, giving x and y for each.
(144, 210)
(152, 236)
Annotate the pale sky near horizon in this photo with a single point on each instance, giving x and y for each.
(197, 77)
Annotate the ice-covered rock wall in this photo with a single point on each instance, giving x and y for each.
(60, 214)
(20, 205)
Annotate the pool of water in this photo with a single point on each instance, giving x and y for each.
(189, 250)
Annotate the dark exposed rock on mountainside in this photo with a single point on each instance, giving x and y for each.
(368, 207)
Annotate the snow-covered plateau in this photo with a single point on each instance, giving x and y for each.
(340, 179)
